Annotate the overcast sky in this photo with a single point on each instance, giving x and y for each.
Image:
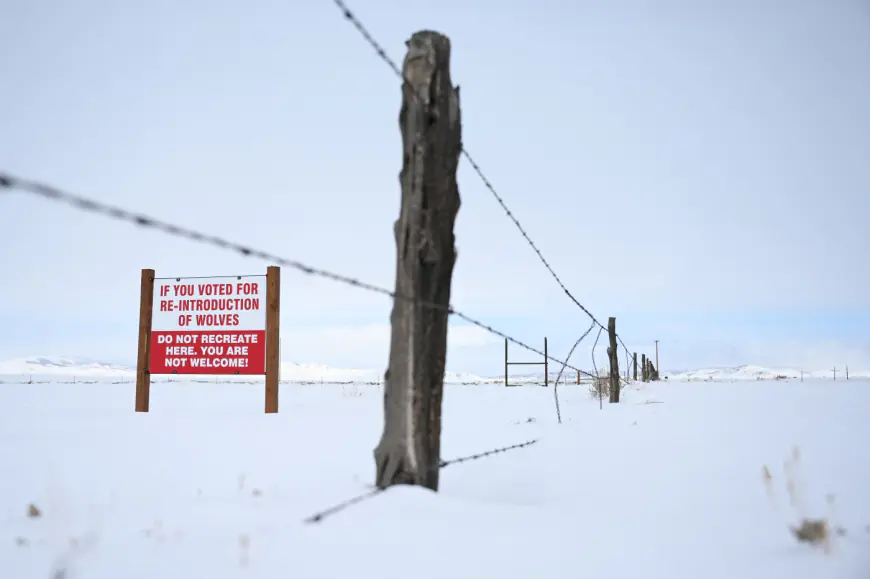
(698, 169)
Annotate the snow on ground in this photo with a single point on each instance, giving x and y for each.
(68, 369)
(666, 484)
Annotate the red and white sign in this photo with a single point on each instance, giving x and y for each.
(209, 326)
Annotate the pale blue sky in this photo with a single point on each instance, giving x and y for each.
(727, 144)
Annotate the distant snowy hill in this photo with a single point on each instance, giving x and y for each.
(63, 366)
(750, 372)
(54, 367)
(67, 367)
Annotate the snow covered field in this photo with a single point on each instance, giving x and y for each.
(55, 368)
(668, 484)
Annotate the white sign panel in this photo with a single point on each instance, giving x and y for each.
(208, 304)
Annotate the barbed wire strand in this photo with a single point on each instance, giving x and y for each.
(595, 367)
(624, 381)
(471, 457)
(627, 367)
(97, 207)
(319, 516)
(382, 53)
(567, 359)
(624, 347)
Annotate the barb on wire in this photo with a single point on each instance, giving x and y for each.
(460, 460)
(351, 17)
(89, 205)
(382, 53)
(567, 359)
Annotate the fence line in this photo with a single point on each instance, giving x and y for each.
(9, 182)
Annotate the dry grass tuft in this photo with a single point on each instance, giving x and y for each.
(816, 532)
(33, 511)
(600, 387)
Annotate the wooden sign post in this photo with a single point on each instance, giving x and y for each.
(273, 350)
(225, 325)
(143, 377)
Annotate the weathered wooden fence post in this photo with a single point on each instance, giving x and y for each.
(643, 368)
(409, 451)
(634, 363)
(614, 361)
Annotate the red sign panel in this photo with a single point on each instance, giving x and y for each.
(208, 352)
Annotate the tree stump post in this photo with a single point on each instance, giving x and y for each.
(409, 451)
(614, 361)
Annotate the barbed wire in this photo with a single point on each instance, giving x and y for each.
(393, 65)
(624, 347)
(320, 515)
(470, 457)
(382, 53)
(595, 367)
(8, 182)
(567, 359)
(376, 491)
